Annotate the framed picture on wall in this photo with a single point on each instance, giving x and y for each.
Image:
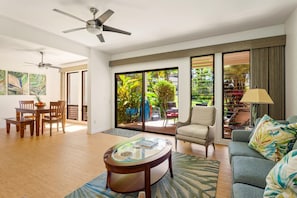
(18, 83)
(37, 84)
(2, 82)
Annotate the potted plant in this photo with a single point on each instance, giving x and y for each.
(39, 102)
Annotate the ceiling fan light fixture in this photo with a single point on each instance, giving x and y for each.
(93, 28)
(95, 25)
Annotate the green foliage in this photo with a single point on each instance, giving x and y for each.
(202, 86)
(165, 92)
(129, 96)
(152, 98)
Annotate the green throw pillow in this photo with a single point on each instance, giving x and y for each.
(272, 139)
(282, 178)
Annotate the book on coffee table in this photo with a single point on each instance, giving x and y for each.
(147, 143)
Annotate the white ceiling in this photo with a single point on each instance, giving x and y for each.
(151, 22)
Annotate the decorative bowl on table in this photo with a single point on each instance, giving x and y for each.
(40, 104)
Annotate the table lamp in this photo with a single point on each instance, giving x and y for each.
(255, 97)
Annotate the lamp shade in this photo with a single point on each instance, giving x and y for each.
(256, 96)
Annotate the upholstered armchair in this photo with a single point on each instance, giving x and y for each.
(197, 128)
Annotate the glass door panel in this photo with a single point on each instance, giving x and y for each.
(73, 82)
(161, 92)
(236, 83)
(84, 96)
(128, 104)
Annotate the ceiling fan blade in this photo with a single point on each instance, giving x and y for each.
(75, 29)
(70, 15)
(103, 17)
(54, 67)
(48, 65)
(100, 37)
(112, 29)
(29, 63)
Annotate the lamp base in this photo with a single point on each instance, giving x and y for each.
(254, 114)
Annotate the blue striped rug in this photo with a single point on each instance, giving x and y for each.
(121, 132)
(193, 177)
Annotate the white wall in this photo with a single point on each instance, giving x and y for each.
(9, 102)
(291, 64)
(31, 34)
(99, 95)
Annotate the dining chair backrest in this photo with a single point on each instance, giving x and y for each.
(56, 110)
(62, 104)
(56, 115)
(26, 104)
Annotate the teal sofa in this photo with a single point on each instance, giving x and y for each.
(249, 168)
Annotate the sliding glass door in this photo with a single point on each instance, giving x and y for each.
(147, 100)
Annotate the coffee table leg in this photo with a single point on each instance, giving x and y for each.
(107, 179)
(147, 182)
(170, 165)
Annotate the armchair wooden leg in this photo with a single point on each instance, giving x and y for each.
(214, 148)
(175, 144)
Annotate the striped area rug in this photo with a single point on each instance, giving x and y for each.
(193, 177)
(121, 132)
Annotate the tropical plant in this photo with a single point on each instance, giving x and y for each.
(129, 98)
(165, 92)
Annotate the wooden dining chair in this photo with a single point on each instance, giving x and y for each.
(27, 104)
(56, 115)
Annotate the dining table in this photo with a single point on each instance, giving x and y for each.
(37, 111)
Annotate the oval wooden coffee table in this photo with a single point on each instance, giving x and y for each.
(136, 164)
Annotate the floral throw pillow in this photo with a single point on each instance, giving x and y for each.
(272, 139)
(281, 181)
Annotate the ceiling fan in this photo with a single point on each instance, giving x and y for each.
(95, 25)
(43, 64)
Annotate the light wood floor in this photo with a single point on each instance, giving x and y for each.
(44, 166)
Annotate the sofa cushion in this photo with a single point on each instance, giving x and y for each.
(295, 145)
(272, 139)
(246, 191)
(251, 170)
(282, 179)
(242, 149)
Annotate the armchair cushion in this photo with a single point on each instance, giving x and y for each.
(203, 115)
(194, 130)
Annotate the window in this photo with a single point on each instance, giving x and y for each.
(202, 80)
